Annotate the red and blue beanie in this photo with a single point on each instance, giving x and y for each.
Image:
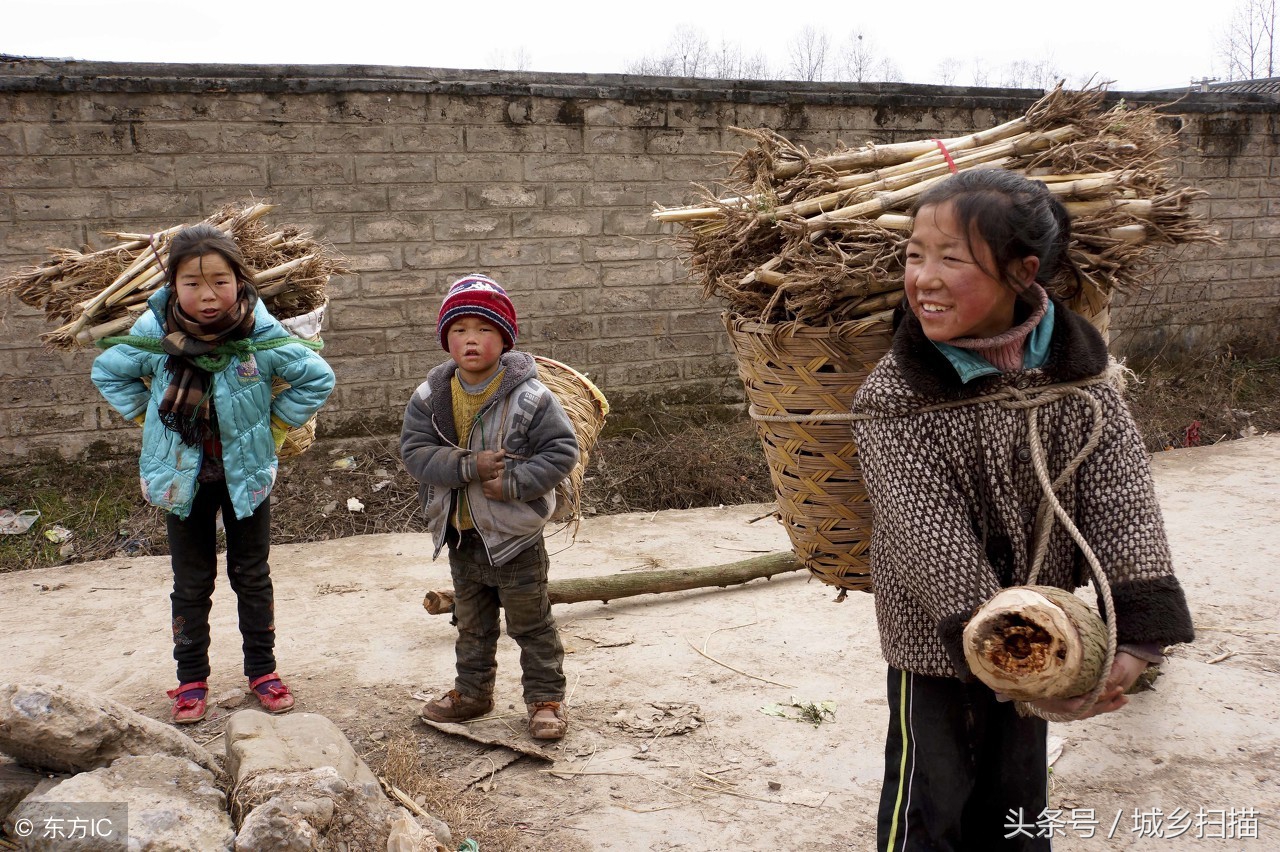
(478, 296)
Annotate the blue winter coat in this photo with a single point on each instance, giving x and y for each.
(241, 396)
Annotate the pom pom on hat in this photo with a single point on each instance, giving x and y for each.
(478, 296)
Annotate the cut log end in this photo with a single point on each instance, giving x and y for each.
(1036, 642)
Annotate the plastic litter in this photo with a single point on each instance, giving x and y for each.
(13, 523)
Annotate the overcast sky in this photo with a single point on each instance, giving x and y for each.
(1139, 44)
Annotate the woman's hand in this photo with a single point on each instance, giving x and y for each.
(1124, 671)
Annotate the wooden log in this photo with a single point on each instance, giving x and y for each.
(612, 586)
(1033, 642)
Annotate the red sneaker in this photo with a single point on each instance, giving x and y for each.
(272, 694)
(188, 702)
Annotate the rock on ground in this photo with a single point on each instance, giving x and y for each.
(55, 727)
(173, 805)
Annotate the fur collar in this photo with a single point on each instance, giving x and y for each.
(518, 366)
(1076, 351)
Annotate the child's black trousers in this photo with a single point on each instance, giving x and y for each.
(193, 554)
(963, 772)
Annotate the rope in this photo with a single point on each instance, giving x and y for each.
(216, 360)
(1030, 400)
(1009, 397)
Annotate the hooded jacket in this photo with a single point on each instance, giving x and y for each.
(955, 495)
(522, 417)
(241, 394)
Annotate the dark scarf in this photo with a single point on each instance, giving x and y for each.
(184, 408)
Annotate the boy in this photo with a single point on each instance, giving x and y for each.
(488, 443)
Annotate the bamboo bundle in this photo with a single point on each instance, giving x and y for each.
(99, 294)
(818, 238)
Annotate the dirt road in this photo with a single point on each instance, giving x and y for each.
(356, 644)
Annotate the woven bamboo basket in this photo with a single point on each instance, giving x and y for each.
(306, 326)
(800, 381)
(805, 377)
(587, 408)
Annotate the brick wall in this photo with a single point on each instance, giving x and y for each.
(544, 181)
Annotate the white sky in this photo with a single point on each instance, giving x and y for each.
(1140, 44)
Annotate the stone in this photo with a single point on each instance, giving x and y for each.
(174, 805)
(16, 783)
(258, 742)
(54, 727)
(298, 781)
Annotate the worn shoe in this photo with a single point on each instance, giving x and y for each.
(453, 706)
(272, 694)
(189, 702)
(547, 720)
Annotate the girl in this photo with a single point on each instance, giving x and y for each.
(210, 433)
(980, 350)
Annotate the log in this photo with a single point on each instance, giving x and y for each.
(1033, 642)
(612, 586)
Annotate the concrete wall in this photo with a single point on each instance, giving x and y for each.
(544, 181)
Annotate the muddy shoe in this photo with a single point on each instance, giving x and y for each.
(453, 706)
(272, 694)
(189, 702)
(547, 720)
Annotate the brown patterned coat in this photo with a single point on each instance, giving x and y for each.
(955, 497)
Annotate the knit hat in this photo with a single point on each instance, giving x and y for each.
(478, 296)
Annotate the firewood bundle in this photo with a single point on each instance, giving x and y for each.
(818, 237)
(100, 293)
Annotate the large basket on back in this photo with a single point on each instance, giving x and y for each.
(800, 381)
(587, 408)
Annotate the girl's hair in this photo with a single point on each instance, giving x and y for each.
(202, 239)
(1016, 218)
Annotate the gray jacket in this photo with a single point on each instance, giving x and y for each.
(524, 418)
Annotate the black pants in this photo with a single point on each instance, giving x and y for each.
(963, 772)
(193, 553)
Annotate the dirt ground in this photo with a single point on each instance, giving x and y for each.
(356, 645)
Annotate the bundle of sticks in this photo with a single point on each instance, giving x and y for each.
(818, 237)
(98, 294)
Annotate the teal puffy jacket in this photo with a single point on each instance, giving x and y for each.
(241, 397)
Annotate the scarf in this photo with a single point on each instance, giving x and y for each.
(184, 408)
(1005, 350)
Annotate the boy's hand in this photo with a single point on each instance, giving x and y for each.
(1124, 671)
(490, 464)
(493, 488)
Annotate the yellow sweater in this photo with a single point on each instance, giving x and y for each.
(466, 410)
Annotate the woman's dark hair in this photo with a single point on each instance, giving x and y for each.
(1017, 218)
(202, 239)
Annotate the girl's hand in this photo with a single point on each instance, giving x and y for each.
(490, 464)
(493, 488)
(1124, 671)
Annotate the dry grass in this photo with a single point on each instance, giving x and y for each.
(470, 814)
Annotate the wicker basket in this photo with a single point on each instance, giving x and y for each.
(792, 372)
(306, 326)
(587, 408)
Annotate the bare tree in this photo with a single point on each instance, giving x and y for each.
(1026, 74)
(728, 62)
(947, 70)
(1248, 47)
(808, 52)
(857, 57)
(979, 76)
(517, 59)
(688, 55)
